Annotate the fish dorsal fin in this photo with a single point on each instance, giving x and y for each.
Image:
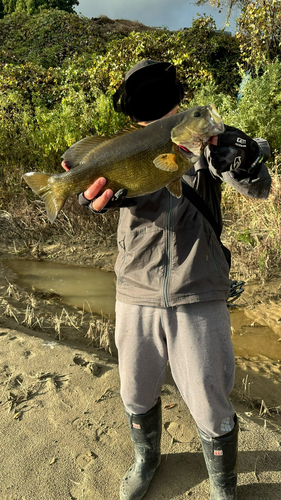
(175, 188)
(166, 162)
(127, 130)
(75, 154)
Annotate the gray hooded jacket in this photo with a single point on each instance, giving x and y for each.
(168, 252)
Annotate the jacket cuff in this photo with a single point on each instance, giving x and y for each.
(256, 186)
(84, 202)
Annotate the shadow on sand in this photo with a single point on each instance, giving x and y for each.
(179, 473)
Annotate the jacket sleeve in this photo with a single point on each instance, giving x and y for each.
(255, 183)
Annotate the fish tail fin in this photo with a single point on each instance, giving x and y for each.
(43, 185)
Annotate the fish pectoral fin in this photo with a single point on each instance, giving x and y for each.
(166, 162)
(43, 186)
(175, 188)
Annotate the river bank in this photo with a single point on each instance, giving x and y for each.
(63, 429)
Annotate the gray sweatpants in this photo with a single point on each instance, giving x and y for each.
(196, 340)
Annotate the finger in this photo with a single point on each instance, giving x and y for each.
(102, 200)
(214, 140)
(95, 188)
(64, 165)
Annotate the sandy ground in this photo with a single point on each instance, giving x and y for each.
(64, 433)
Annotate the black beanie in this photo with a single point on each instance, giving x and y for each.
(149, 92)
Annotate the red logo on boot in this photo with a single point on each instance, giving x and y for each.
(136, 426)
(218, 452)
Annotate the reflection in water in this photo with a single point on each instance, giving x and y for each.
(95, 290)
(78, 286)
(252, 340)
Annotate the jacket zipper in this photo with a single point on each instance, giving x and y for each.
(166, 280)
(122, 245)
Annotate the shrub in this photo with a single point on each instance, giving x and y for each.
(47, 38)
(258, 112)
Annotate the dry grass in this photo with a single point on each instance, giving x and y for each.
(17, 392)
(28, 219)
(61, 322)
(252, 230)
(256, 405)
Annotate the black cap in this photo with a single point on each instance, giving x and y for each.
(150, 91)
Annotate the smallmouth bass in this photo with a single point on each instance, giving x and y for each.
(141, 161)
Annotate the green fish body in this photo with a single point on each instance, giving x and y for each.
(141, 161)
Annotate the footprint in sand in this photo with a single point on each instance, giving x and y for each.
(84, 460)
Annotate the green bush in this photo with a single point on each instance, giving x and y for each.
(16, 137)
(210, 57)
(258, 112)
(47, 38)
(35, 137)
(71, 120)
(45, 109)
(58, 74)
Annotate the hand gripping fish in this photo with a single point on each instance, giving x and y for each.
(141, 161)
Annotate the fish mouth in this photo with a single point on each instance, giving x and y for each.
(185, 152)
(192, 156)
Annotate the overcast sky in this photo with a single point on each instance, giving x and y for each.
(173, 14)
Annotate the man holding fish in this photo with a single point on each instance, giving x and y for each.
(173, 275)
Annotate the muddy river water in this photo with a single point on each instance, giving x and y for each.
(94, 290)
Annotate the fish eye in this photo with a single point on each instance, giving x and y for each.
(197, 114)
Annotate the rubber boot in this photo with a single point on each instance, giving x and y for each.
(220, 455)
(145, 432)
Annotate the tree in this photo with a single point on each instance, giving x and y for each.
(259, 32)
(258, 28)
(224, 4)
(34, 6)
